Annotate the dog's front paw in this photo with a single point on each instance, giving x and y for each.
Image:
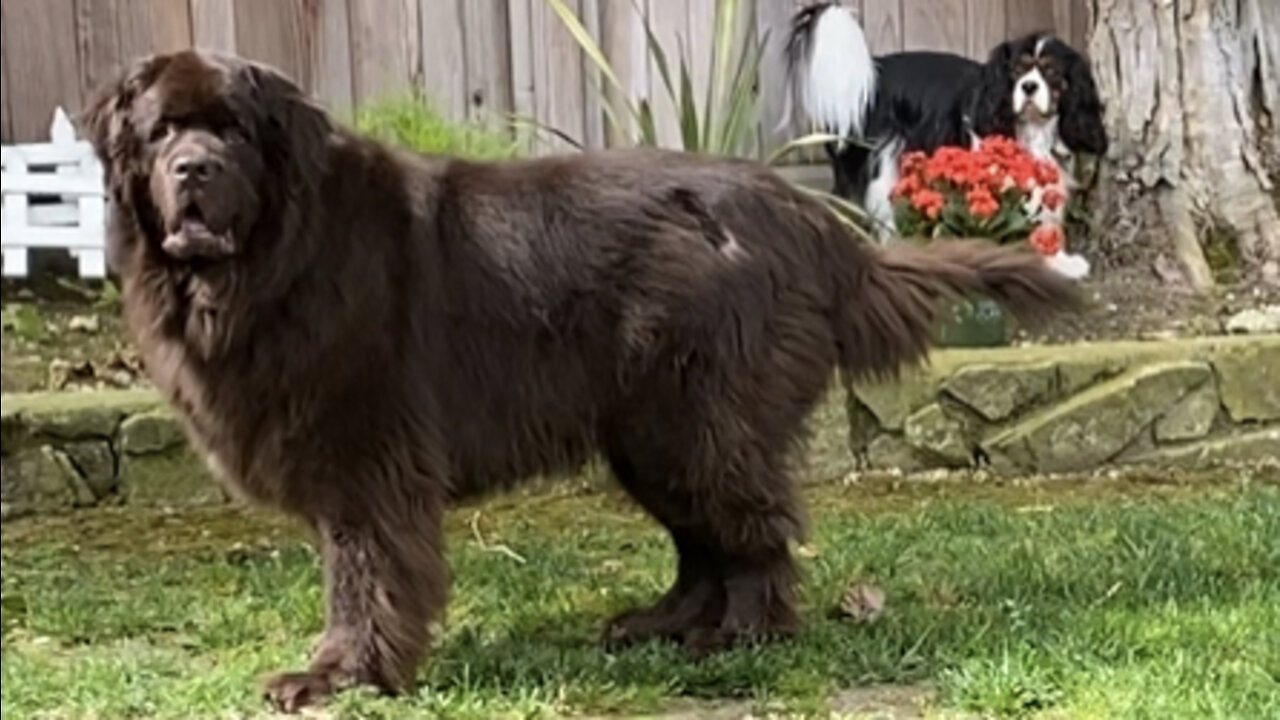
(290, 692)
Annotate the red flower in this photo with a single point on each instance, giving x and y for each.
(982, 204)
(1053, 198)
(1047, 239)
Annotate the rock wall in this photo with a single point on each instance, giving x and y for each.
(1193, 403)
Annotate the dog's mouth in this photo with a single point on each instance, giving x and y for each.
(190, 236)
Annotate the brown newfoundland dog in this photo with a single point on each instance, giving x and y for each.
(360, 336)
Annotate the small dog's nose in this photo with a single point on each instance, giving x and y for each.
(193, 167)
(1030, 86)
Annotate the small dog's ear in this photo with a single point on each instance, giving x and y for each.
(1082, 125)
(990, 106)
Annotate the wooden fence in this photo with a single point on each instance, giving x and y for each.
(476, 58)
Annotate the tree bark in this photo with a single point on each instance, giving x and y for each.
(1193, 98)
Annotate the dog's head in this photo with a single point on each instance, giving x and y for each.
(200, 149)
(1038, 79)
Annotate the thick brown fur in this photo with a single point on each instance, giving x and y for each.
(360, 336)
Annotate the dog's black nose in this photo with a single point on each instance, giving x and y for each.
(193, 167)
(1030, 86)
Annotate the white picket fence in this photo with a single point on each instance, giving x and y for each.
(53, 198)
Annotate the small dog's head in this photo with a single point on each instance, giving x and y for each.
(197, 146)
(1037, 79)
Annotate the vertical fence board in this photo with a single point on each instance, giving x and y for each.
(592, 117)
(488, 89)
(98, 40)
(773, 20)
(332, 58)
(279, 33)
(622, 41)
(385, 49)
(882, 21)
(557, 76)
(213, 24)
(445, 51)
(934, 25)
(6, 115)
(985, 27)
(520, 30)
(40, 37)
(1024, 16)
(152, 26)
(669, 20)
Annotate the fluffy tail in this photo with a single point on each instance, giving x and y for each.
(890, 307)
(830, 72)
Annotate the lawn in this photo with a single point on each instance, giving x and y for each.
(1106, 599)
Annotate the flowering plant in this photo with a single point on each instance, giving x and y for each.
(996, 189)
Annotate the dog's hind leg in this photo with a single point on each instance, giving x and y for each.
(696, 598)
(385, 581)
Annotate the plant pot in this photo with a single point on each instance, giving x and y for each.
(973, 323)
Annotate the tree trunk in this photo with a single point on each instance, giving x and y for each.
(1193, 98)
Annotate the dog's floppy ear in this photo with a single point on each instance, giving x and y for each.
(105, 120)
(990, 107)
(295, 130)
(1081, 123)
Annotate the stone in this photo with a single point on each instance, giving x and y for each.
(33, 481)
(891, 452)
(149, 432)
(998, 392)
(12, 432)
(96, 464)
(176, 478)
(1098, 424)
(88, 324)
(1255, 321)
(891, 402)
(76, 424)
(1191, 418)
(1249, 381)
(1246, 447)
(81, 493)
(1076, 375)
(829, 455)
(932, 430)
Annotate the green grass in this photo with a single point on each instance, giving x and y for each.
(414, 123)
(1108, 601)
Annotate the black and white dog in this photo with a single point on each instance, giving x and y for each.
(1036, 89)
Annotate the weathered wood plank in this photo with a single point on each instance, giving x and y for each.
(520, 34)
(213, 24)
(488, 89)
(152, 26)
(444, 55)
(98, 40)
(882, 21)
(985, 21)
(669, 20)
(6, 117)
(331, 57)
(559, 100)
(1024, 16)
(386, 49)
(773, 19)
(622, 41)
(40, 40)
(934, 25)
(279, 33)
(592, 113)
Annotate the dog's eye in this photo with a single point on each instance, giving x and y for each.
(235, 135)
(160, 130)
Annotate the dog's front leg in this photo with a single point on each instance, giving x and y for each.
(385, 581)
